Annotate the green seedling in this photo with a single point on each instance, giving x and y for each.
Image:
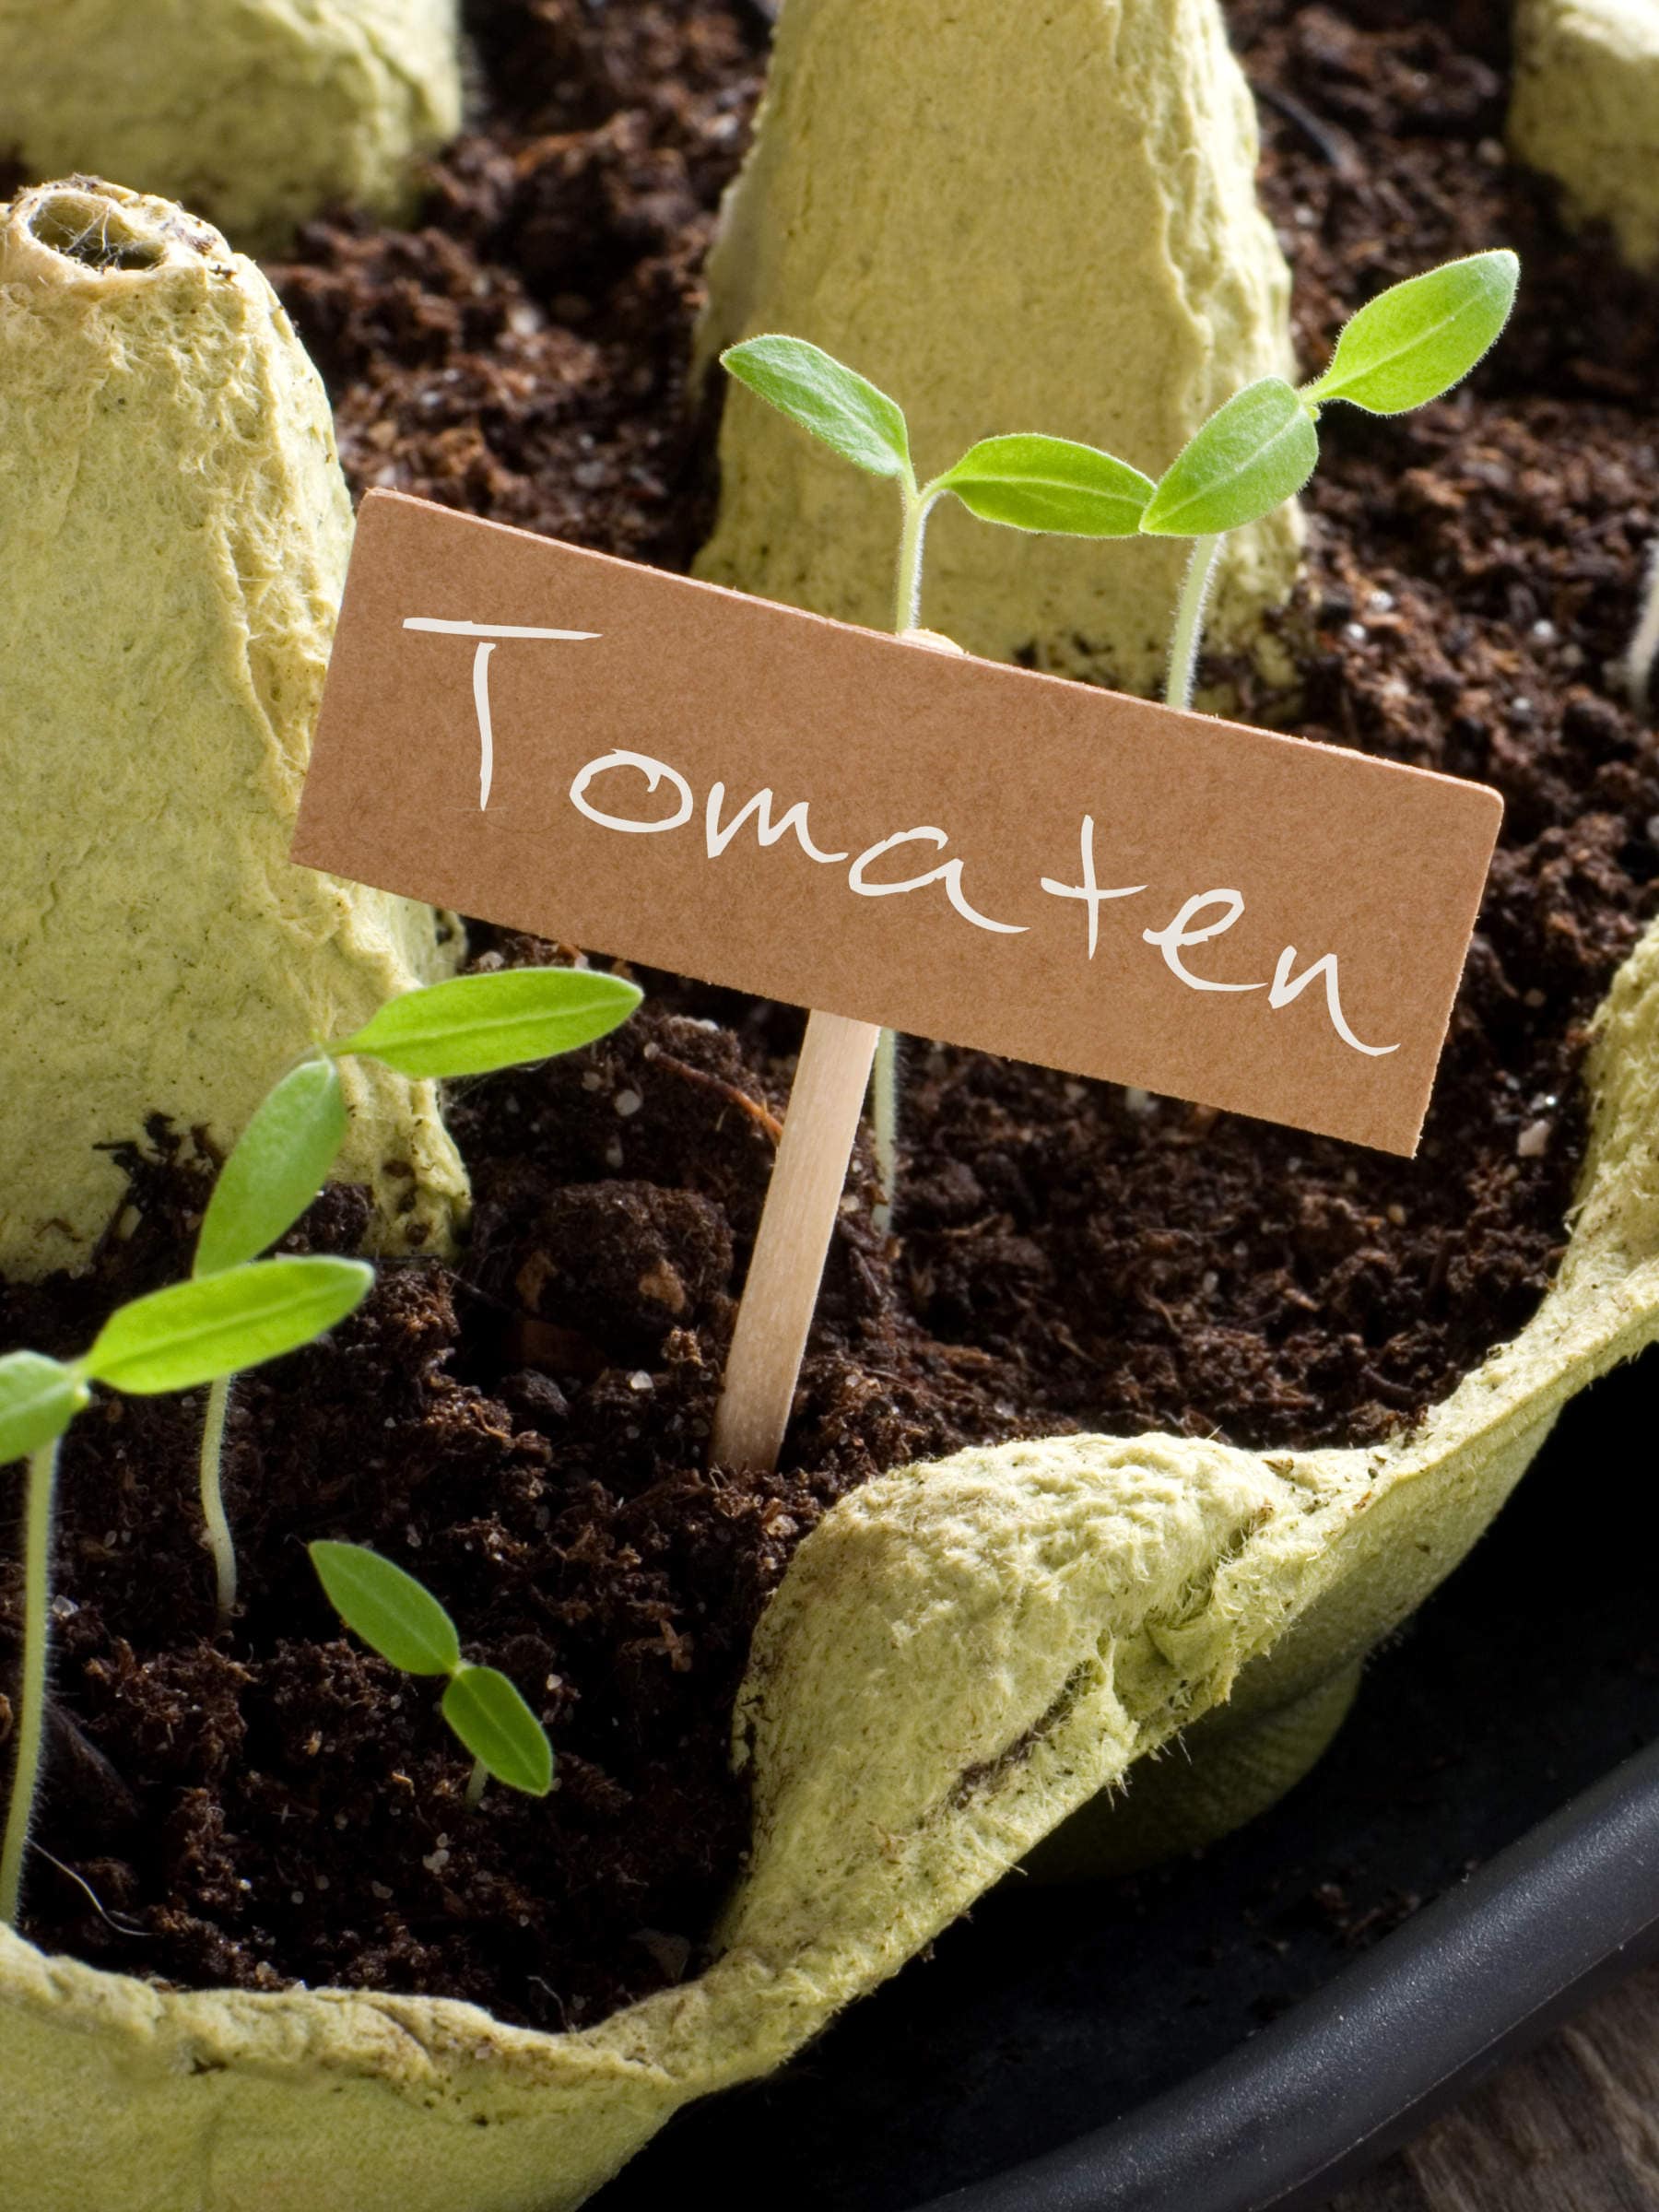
(238, 1311)
(472, 1025)
(1411, 345)
(1634, 667)
(1024, 482)
(401, 1619)
(1048, 486)
(171, 1340)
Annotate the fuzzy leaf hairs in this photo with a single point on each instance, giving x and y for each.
(1258, 448)
(1049, 486)
(1415, 341)
(852, 417)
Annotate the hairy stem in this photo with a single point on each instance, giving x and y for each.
(884, 1119)
(474, 1785)
(1636, 665)
(212, 1500)
(31, 1687)
(1189, 621)
(884, 1101)
(907, 602)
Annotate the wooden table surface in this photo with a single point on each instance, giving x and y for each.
(1573, 2128)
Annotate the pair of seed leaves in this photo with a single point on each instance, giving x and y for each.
(401, 1619)
(238, 1311)
(1410, 344)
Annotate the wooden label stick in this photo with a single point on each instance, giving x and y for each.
(691, 779)
(793, 1240)
(780, 1296)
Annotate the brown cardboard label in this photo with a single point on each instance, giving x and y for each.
(672, 773)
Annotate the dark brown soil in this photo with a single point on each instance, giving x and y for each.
(527, 1431)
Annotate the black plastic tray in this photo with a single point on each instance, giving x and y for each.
(1359, 2068)
(1251, 2027)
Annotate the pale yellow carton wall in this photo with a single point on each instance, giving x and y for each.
(1011, 218)
(260, 112)
(958, 1657)
(1584, 109)
(173, 535)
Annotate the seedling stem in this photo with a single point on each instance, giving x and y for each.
(884, 1093)
(467, 1026)
(1410, 344)
(918, 506)
(1024, 482)
(1635, 666)
(31, 1687)
(1197, 585)
(213, 1503)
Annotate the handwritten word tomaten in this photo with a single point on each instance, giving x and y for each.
(661, 771)
(1172, 940)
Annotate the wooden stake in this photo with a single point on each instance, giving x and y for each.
(809, 1175)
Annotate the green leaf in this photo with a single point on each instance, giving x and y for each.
(39, 1398)
(1418, 338)
(280, 1164)
(218, 1324)
(1050, 483)
(834, 402)
(496, 1726)
(480, 1022)
(393, 1613)
(1253, 453)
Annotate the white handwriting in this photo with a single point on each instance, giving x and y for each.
(1284, 990)
(1178, 933)
(948, 873)
(488, 633)
(1200, 919)
(654, 772)
(766, 829)
(1089, 889)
